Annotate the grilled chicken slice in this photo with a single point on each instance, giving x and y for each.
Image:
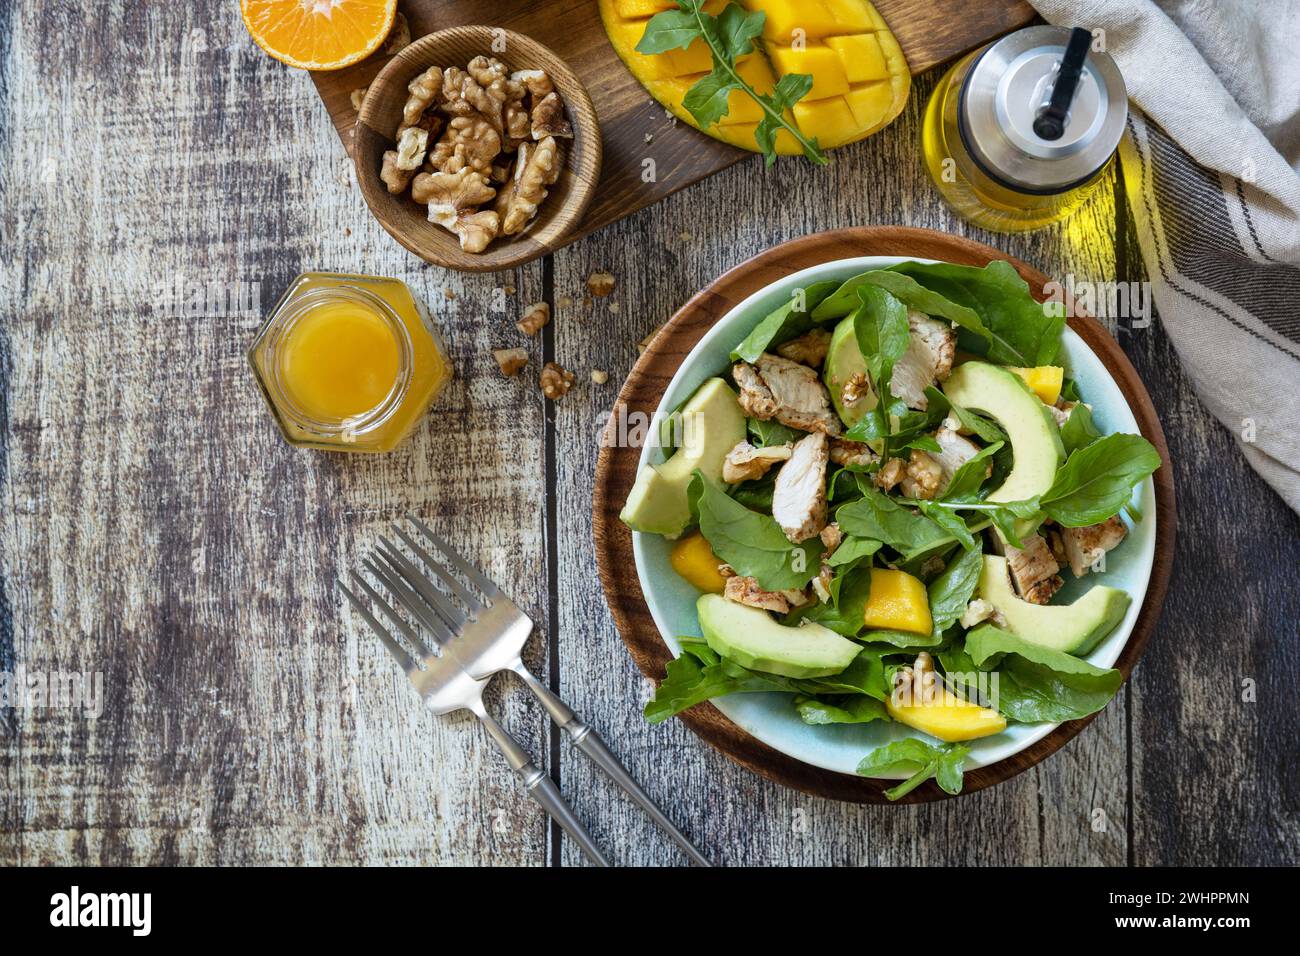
(928, 359)
(799, 495)
(775, 387)
(1033, 568)
(747, 463)
(1084, 547)
(845, 452)
(744, 590)
(1061, 411)
(809, 349)
(954, 452)
(923, 477)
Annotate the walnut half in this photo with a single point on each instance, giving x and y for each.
(556, 381)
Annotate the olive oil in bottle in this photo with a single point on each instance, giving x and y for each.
(1018, 133)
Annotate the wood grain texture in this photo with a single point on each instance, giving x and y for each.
(407, 222)
(642, 394)
(154, 526)
(635, 127)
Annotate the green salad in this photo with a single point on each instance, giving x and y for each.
(878, 502)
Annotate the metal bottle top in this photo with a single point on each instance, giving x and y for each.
(1007, 104)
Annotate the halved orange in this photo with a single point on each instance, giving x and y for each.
(319, 34)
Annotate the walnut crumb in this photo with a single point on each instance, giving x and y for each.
(556, 381)
(564, 302)
(357, 96)
(614, 307)
(600, 284)
(511, 361)
(448, 294)
(599, 377)
(534, 318)
(509, 290)
(347, 231)
(649, 137)
(685, 236)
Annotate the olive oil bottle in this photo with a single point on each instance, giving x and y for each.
(1018, 133)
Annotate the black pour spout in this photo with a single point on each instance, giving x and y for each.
(1050, 122)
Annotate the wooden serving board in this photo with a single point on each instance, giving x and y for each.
(617, 466)
(930, 32)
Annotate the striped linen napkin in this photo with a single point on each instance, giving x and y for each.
(1211, 164)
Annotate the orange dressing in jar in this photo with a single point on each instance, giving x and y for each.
(348, 363)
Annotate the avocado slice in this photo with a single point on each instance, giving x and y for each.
(752, 638)
(1035, 440)
(1073, 628)
(714, 424)
(843, 361)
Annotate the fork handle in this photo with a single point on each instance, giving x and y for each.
(591, 744)
(539, 786)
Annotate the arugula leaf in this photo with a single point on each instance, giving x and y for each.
(985, 429)
(951, 591)
(1078, 430)
(764, 434)
(949, 521)
(853, 549)
(701, 674)
(876, 515)
(1036, 683)
(791, 319)
(904, 288)
(750, 542)
(966, 480)
(1024, 692)
(728, 36)
(839, 710)
(943, 762)
(1097, 480)
(1019, 330)
(843, 614)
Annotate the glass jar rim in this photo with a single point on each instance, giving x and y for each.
(293, 311)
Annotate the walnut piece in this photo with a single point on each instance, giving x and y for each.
(536, 82)
(512, 361)
(476, 229)
(423, 90)
(393, 176)
(473, 137)
(482, 87)
(411, 147)
(536, 168)
(600, 284)
(534, 318)
(556, 381)
(548, 118)
(599, 376)
(357, 96)
(448, 194)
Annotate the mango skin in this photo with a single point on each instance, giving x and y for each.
(695, 561)
(861, 79)
(946, 716)
(897, 602)
(1044, 380)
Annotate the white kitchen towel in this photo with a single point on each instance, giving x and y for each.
(1211, 164)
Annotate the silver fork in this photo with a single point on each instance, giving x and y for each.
(483, 635)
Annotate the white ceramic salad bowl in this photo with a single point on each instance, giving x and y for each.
(769, 717)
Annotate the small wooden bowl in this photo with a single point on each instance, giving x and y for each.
(405, 219)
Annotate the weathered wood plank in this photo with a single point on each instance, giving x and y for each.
(660, 257)
(158, 530)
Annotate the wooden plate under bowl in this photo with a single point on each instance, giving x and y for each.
(406, 221)
(617, 466)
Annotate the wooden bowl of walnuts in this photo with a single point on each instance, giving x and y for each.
(477, 149)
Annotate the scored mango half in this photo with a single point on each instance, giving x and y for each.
(860, 77)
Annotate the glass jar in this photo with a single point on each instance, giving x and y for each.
(1017, 134)
(348, 362)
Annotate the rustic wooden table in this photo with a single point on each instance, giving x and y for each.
(156, 529)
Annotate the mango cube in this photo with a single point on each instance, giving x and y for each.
(897, 602)
(812, 18)
(944, 715)
(870, 104)
(1045, 380)
(861, 56)
(830, 121)
(694, 560)
(632, 9)
(821, 62)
